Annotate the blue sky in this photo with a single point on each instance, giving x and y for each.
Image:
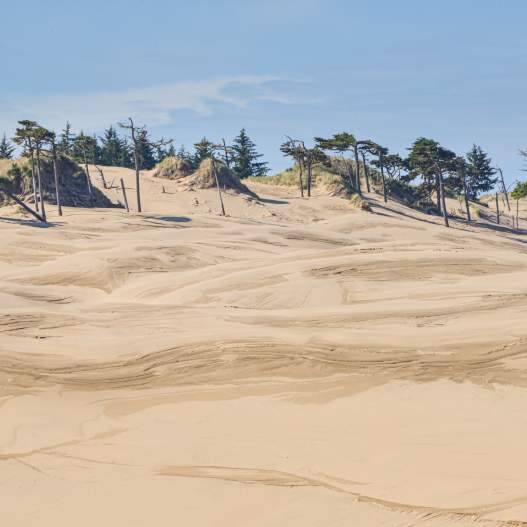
(455, 71)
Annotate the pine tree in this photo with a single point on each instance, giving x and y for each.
(245, 157)
(146, 151)
(480, 173)
(114, 150)
(6, 148)
(66, 140)
(203, 150)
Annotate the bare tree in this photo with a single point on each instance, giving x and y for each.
(138, 136)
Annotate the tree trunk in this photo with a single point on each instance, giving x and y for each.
(506, 194)
(88, 180)
(517, 214)
(137, 182)
(465, 192)
(124, 196)
(309, 175)
(366, 172)
(39, 176)
(33, 177)
(55, 173)
(300, 176)
(218, 187)
(357, 170)
(442, 194)
(24, 206)
(438, 194)
(497, 209)
(381, 162)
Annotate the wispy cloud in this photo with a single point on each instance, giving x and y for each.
(153, 105)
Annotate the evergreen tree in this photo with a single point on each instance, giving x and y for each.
(6, 148)
(146, 150)
(480, 174)
(202, 150)
(114, 150)
(66, 140)
(245, 157)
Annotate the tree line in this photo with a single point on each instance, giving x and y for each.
(428, 174)
(113, 149)
(135, 151)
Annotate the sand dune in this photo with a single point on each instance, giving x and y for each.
(298, 362)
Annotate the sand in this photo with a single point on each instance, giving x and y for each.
(298, 362)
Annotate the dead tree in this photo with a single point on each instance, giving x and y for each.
(497, 209)
(215, 173)
(139, 140)
(504, 189)
(101, 175)
(123, 190)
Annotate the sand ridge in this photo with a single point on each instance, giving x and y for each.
(297, 362)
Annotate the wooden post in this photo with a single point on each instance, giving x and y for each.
(497, 209)
(124, 196)
(163, 191)
(218, 186)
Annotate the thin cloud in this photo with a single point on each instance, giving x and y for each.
(152, 105)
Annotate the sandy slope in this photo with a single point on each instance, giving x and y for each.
(296, 363)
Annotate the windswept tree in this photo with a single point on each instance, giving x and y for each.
(294, 149)
(24, 137)
(6, 148)
(341, 143)
(480, 172)
(245, 159)
(313, 157)
(140, 145)
(381, 152)
(431, 160)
